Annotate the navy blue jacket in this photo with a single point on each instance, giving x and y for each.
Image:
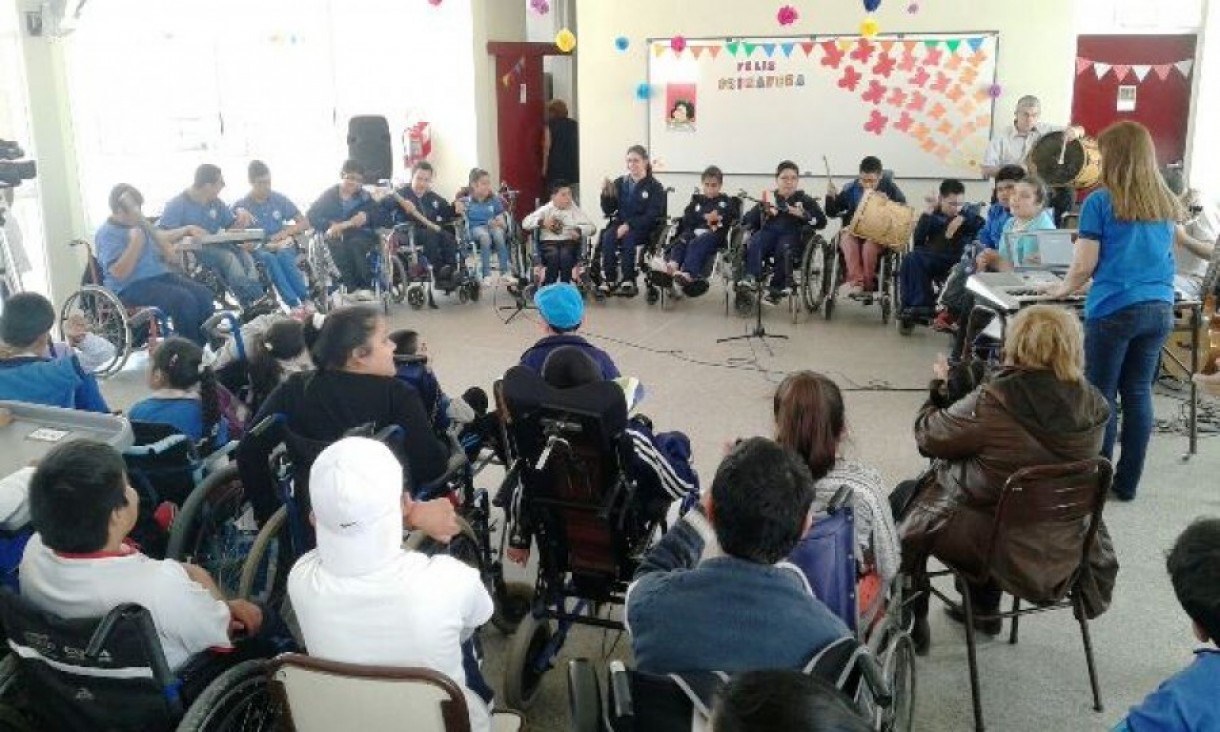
(432, 205)
(930, 232)
(642, 210)
(784, 222)
(845, 202)
(537, 353)
(722, 613)
(59, 382)
(700, 205)
(329, 209)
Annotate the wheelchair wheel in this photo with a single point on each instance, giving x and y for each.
(886, 296)
(512, 606)
(475, 291)
(813, 274)
(899, 670)
(107, 317)
(415, 297)
(208, 530)
(238, 699)
(264, 573)
(522, 675)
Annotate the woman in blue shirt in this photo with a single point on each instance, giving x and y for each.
(280, 220)
(185, 394)
(1127, 233)
(484, 214)
(134, 256)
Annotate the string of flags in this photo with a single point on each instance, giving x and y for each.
(1139, 71)
(742, 49)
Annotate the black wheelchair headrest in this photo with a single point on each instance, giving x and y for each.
(529, 398)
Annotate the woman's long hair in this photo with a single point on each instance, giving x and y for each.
(1129, 171)
(809, 418)
(643, 153)
(181, 361)
(346, 330)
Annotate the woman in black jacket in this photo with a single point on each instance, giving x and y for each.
(354, 386)
(635, 203)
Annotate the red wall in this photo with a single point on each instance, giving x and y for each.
(1163, 106)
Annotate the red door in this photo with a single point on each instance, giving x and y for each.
(1160, 100)
(521, 112)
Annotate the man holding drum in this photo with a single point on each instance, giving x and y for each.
(1012, 145)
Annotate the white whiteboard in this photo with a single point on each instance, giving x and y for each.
(922, 103)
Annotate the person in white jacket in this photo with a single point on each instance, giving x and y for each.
(562, 229)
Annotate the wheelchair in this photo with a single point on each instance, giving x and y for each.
(660, 285)
(835, 274)
(875, 669)
(128, 328)
(806, 268)
(568, 486)
(660, 233)
(110, 673)
(420, 277)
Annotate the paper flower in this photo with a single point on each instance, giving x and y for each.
(541, 7)
(913, 8)
(994, 91)
(872, 5)
(787, 15)
(565, 40)
(869, 28)
(621, 43)
(643, 91)
(434, 3)
(678, 44)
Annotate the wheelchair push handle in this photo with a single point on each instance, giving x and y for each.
(620, 691)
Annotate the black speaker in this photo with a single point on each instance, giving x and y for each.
(368, 143)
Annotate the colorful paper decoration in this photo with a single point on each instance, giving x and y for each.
(565, 40)
(434, 3)
(995, 91)
(643, 91)
(1139, 71)
(541, 7)
(678, 44)
(869, 28)
(787, 15)
(621, 43)
(913, 8)
(871, 5)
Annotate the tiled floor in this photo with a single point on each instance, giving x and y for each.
(717, 392)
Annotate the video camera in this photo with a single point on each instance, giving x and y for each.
(13, 170)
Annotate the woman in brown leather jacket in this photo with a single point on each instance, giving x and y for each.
(1036, 410)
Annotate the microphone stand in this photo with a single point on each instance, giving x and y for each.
(759, 331)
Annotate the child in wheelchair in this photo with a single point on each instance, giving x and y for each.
(80, 564)
(428, 215)
(485, 218)
(939, 240)
(360, 597)
(777, 231)
(860, 256)
(28, 373)
(345, 215)
(446, 413)
(702, 231)
(185, 395)
(561, 229)
(659, 462)
(635, 204)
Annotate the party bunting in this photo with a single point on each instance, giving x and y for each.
(714, 50)
(974, 43)
(696, 50)
(732, 46)
(953, 44)
(749, 48)
(787, 48)
(769, 49)
(1139, 71)
(807, 47)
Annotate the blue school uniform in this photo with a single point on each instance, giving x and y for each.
(779, 236)
(1185, 702)
(992, 232)
(182, 210)
(933, 254)
(269, 215)
(183, 414)
(1134, 262)
(639, 204)
(59, 382)
(696, 244)
(331, 208)
(480, 213)
(111, 240)
(845, 202)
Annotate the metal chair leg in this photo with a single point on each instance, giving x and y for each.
(1016, 607)
(975, 695)
(1078, 607)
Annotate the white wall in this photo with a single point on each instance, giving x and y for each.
(1035, 57)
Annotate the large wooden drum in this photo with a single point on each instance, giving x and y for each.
(886, 222)
(1081, 166)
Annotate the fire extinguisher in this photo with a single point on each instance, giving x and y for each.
(417, 143)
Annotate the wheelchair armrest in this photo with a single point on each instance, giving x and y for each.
(584, 696)
(621, 704)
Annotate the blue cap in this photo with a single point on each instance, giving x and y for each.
(561, 305)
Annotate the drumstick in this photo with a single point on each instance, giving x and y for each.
(1063, 149)
(826, 164)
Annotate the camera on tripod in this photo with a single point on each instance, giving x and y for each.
(13, 170)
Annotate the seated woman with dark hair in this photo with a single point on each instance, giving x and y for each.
(354, 386)
(809, 420)
(1037, 410)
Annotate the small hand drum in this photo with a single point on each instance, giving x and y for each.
(883, 221)
(1081, 161)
